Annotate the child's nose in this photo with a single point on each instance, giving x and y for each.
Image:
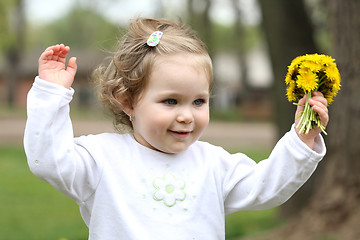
(185, 115)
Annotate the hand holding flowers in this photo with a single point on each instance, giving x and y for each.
(319, 105)
(315, 80)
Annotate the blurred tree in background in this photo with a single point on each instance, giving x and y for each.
(198, 12)
(81, 28)
(12, 41)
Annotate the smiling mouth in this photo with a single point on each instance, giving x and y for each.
(181, 133)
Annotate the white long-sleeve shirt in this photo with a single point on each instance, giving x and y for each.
(128, 191)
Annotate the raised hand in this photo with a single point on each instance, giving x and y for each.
(319, 103)
(52, 66)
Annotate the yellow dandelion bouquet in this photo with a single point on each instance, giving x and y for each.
(306, 74)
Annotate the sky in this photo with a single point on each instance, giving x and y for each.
(40, 11)
(120, 11)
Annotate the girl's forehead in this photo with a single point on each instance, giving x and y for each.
(197, 61)
(179, 72)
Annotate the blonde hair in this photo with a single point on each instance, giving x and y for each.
(123, 80)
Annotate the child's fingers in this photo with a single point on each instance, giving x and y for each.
(46, 55)
(318, 96)
(49, 53)
(63, 51)
(55, 49)
(323, 114)
(56, 53)
(60, 52)
(317, 93)
(319, 104)
(318, 100)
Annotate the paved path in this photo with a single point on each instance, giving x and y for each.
(227, 135)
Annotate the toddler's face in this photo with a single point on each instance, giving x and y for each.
(173, 110)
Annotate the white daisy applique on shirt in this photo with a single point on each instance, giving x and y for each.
(169, 189)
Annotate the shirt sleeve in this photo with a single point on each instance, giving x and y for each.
(49, 144)
(271, 182)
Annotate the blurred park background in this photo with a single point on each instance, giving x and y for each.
(251, 43)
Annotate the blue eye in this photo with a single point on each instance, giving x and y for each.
(199, 102)
(170, 101)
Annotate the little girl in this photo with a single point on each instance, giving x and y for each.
(157, 181)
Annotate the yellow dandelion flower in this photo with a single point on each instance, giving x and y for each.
(333, 73)
(288, 77)
(336, 86)
(307, 80)
(297, 61)
(315, 67)
(330, 100)
(316, 58)
(292, 69)
(290, 91)
(327, 60)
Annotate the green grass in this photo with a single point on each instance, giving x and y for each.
(250, 223)
(32, 209)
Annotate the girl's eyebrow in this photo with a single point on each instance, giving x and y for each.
(204, 94)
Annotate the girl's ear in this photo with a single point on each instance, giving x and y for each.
(126, 104)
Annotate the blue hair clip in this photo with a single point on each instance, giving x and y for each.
(154, 39)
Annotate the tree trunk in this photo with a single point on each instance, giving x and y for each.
(240, 51)
(289, 33)
(14, 51)
(199, 19)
